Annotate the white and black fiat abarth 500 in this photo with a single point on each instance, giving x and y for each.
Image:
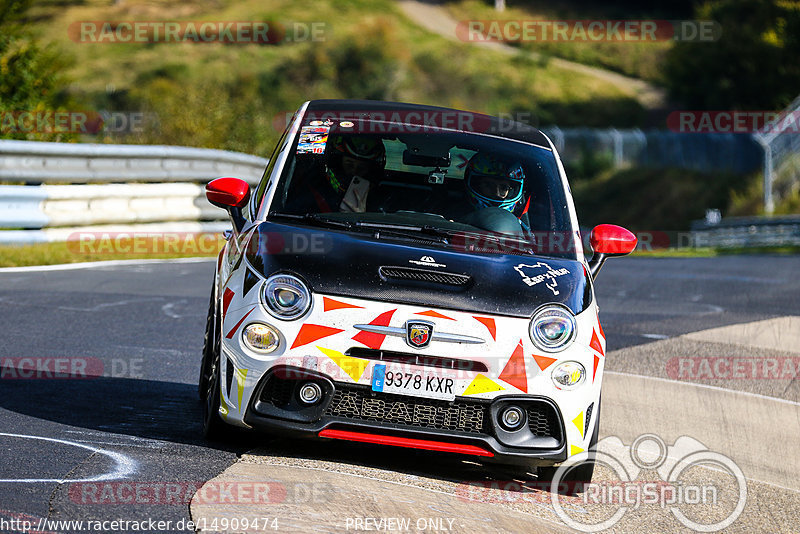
(409, 276)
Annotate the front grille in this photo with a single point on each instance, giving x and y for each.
(588, 418)
(362, 404)
(424, 275)
(278, 391)
(228, 375)
(543, 420)
(417, 359)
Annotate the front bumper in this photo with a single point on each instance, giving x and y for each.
(355, 412)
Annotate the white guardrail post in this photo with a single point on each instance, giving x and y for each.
(133, 187)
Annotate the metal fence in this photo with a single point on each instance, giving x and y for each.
(781, 144)
(37, 212)
(705, 152)
(736, 232)
(99, 193)
(33, 161)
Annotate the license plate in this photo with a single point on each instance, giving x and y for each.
(401, 380)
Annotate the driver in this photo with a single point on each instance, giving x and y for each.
(353, 164)
(495, 183)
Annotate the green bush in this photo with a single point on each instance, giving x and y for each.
(654, 199)
(30, 78)
(753, 65)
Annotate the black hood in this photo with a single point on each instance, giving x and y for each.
(413, 271)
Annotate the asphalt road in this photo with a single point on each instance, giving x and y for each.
(140, 327)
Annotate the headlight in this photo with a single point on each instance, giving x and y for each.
(552, 328)
(568, 375)
(285, 296)
(261, 338)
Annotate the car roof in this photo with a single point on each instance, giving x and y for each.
(481, 123)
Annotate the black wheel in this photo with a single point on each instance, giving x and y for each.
(575, 479)
(212, 422)
(209, 347)
(208, 386)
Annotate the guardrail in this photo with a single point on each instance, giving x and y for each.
(34, 161)
(736, 232)
(38, 213)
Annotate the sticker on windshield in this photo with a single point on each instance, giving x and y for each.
(313, 139)
(541, 272)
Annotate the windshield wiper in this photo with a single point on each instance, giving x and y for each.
(316, 219)
(505, 241)
(404, 230)
(445, 235)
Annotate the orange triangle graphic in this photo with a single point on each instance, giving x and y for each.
(488, 322)
(237, 325)
(514, 372)
(226, 300)
(311, 332)
(596, 361)
(371, 339)
(543, 361)
(431, 313)
(595, 344)
(600, 328)
(330, 304)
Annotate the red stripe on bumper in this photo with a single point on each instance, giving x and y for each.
(405, 442)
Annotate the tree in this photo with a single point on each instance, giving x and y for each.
(752, 66)
(30, 75)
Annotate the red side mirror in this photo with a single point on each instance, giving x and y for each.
(610, 239)
(228, 192)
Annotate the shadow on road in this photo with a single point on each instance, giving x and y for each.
(143, 408)
(172, 412)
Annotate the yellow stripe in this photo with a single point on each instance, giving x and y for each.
(354, 367)
(579, 423)
(482, 384)
(241, 374)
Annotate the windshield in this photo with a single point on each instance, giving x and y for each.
(443, 182)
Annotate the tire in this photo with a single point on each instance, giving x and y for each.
(212, 423)
(208, 386)
(578, 475)
(209, 347)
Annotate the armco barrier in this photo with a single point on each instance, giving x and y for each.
(37, 213)
(21, 207)
(736, 232)
(33, 161)
(35, 207)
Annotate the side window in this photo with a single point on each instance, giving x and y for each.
(265, 182)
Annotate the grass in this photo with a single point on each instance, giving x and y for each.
(234, 96)
(108, 249)
(633, 58)
(62, 252)
(656, 200)
(712, 252)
